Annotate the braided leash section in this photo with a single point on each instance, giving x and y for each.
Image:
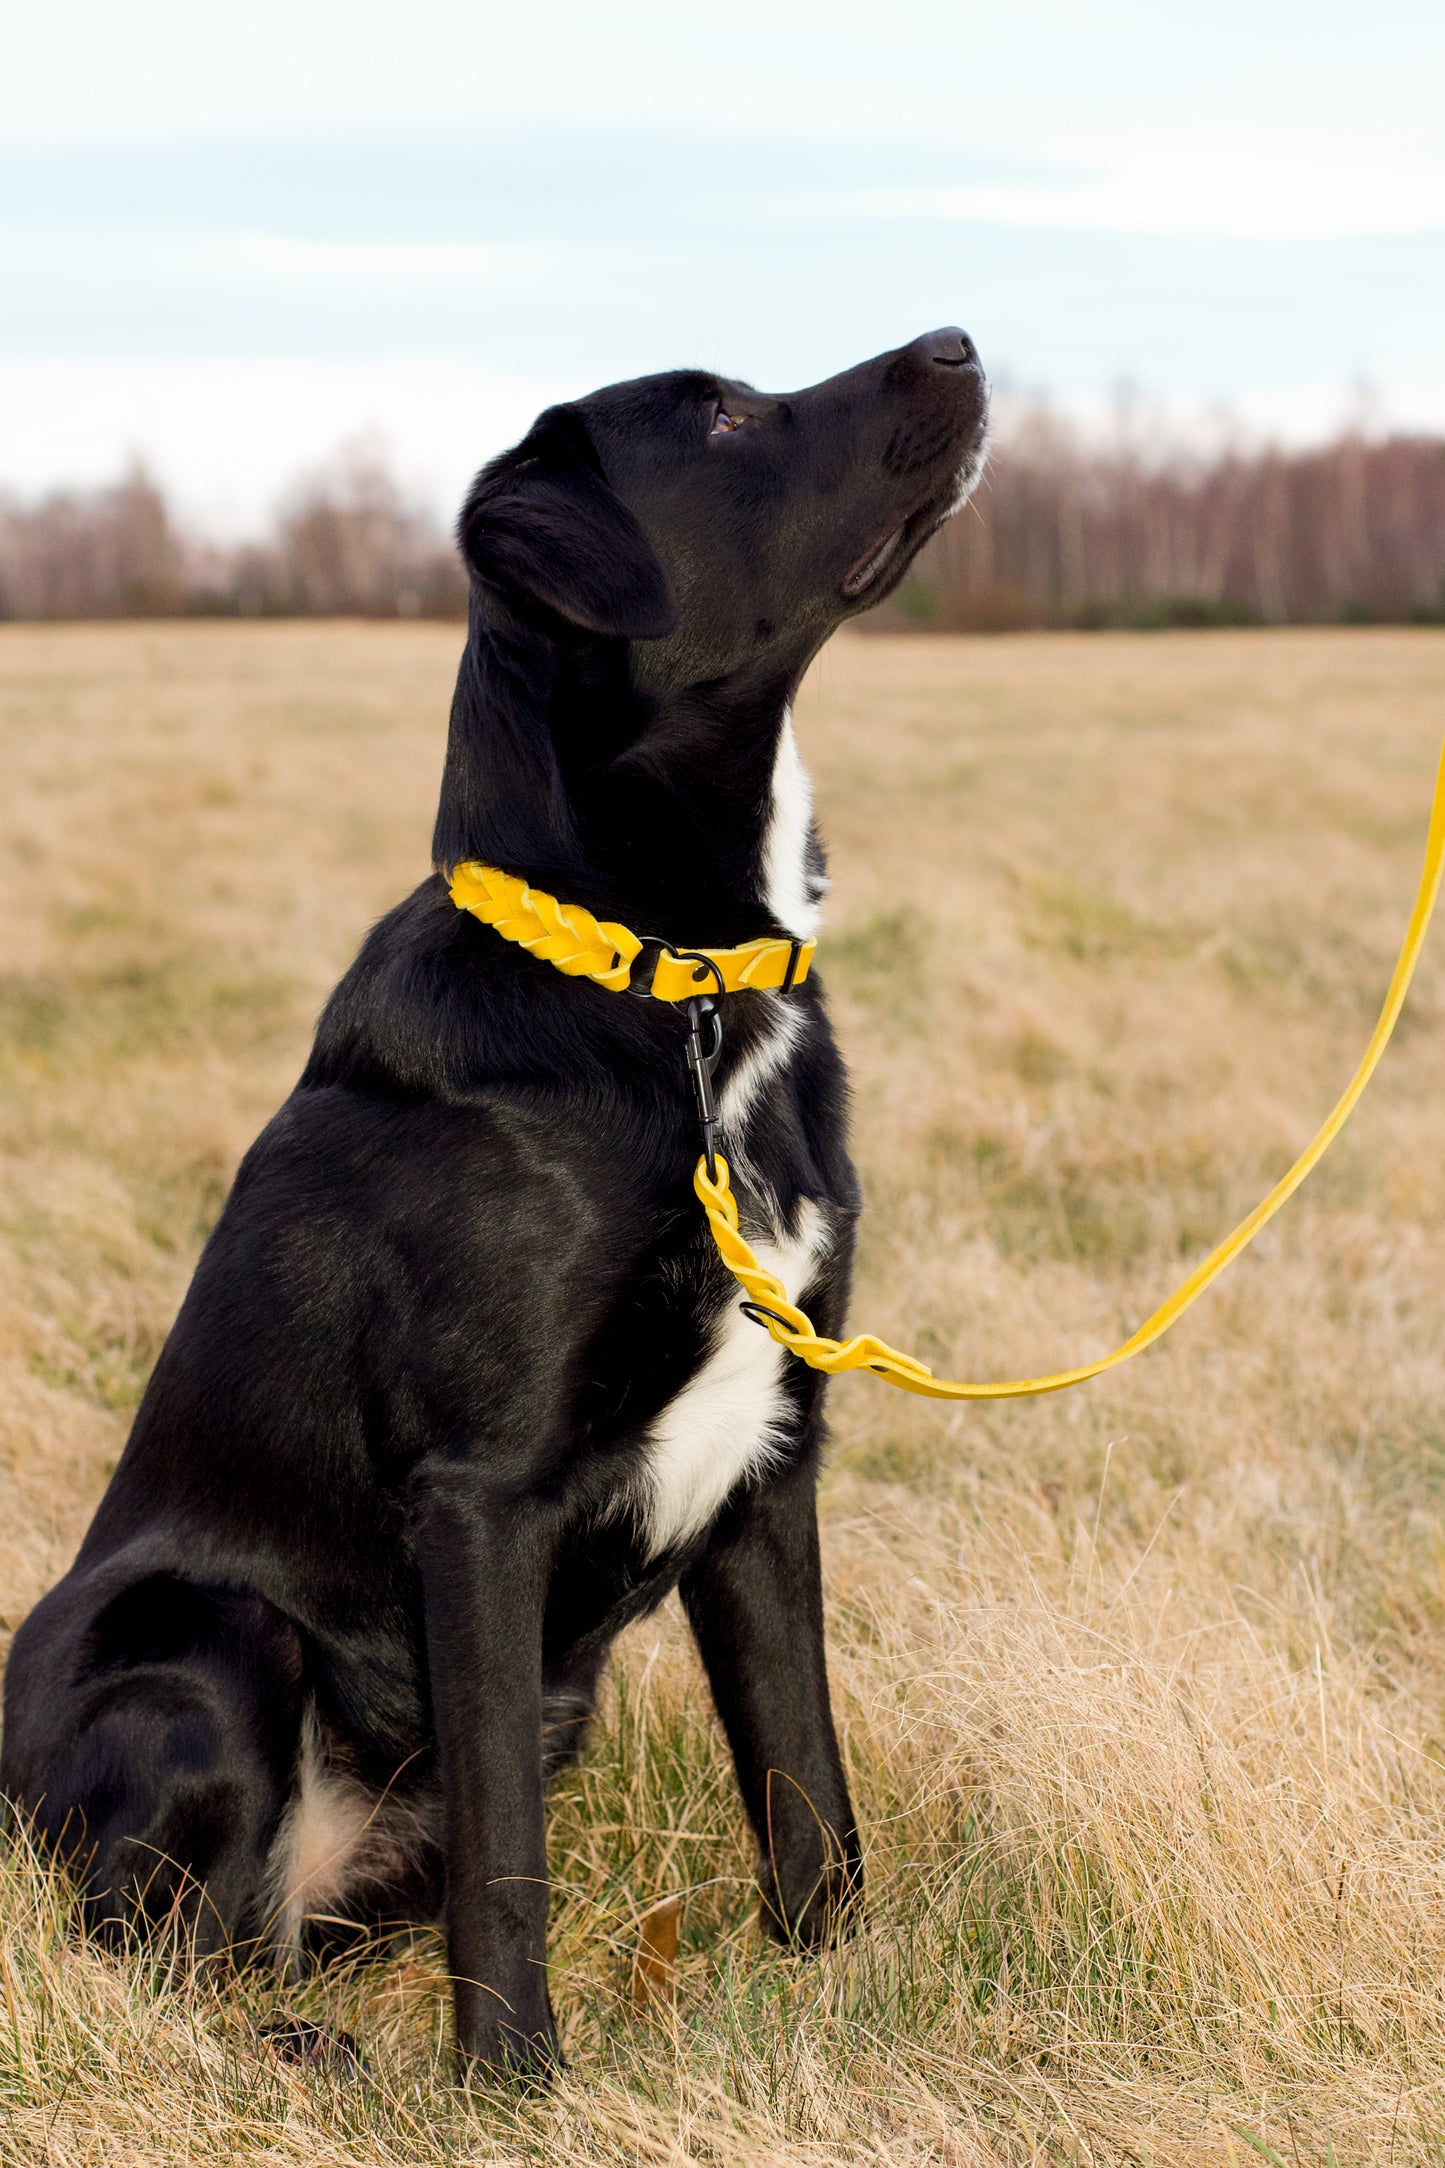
(769, 1304)
(791, 1327)
(562, 934)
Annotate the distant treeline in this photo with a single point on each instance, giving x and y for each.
(345, 543)
(1063, 531)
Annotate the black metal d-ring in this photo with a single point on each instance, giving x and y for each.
(705, 965)
(646, 941)
(758, 1313)
(706, 968)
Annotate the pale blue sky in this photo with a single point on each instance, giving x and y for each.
(229, 239)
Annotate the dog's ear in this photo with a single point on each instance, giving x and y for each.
(542, 520)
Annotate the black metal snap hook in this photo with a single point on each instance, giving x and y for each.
(702, 1009)
(701, 1062)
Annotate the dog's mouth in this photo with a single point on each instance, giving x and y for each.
(874, 562)
(919, 525)
(899, 542)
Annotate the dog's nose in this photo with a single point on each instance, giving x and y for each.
(950, 348)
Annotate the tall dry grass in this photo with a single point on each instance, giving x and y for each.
(1141, 1688)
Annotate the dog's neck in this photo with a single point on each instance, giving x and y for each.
(687, 816)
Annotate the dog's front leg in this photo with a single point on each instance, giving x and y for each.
(755, 1603)
(484, 1567)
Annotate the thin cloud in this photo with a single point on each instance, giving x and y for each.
(1224, 183)
(289, 256)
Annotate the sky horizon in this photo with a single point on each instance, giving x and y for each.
(230, 246)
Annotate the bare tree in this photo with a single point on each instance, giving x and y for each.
(349, 544)
(111, 553)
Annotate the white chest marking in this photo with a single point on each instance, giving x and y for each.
(786, 888)
(729, 1420)
(763, 1060)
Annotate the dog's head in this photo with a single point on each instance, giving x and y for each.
(724, 531)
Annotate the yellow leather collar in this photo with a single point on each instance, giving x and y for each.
(569, 937)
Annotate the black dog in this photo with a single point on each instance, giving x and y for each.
(460, 1386)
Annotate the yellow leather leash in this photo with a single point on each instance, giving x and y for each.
(767, 1299)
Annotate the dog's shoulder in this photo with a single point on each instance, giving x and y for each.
(437, 1008)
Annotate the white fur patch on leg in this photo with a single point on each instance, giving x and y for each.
(336, 1835)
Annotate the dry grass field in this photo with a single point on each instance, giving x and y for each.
(1142, 1687)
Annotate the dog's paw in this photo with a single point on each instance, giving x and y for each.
(525, 2062)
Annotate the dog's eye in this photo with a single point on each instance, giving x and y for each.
(722, 422)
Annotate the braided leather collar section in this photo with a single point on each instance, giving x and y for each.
(569, 937)
(562, 934)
